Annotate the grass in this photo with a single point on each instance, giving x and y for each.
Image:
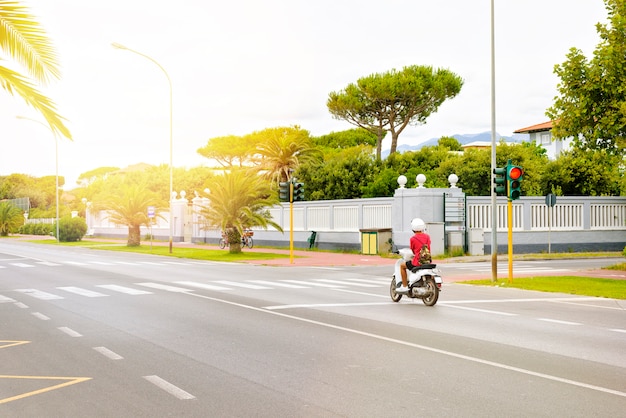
(573, 285)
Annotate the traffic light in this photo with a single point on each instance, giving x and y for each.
(283, 191)
(500, 181)
(514, 176)
(298, 192)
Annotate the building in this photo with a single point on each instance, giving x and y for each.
(542, 135)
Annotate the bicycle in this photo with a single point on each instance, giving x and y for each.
(246, 240)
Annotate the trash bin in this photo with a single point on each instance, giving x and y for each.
(375, 241)
(311, 239)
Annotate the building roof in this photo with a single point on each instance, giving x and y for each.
(545, 126)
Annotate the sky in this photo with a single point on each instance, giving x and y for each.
(241, 66)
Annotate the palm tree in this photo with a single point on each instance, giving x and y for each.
(128, 205)
(10, 218)
(282, 150)
(237, 201)
(23, 39)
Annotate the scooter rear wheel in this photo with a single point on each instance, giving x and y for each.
(222, 243)
(395, 296)
(433, 290)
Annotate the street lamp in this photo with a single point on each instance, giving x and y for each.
(56, 153)
(119, 46)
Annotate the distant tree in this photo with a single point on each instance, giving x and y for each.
(10, 218)
(23, 39)
(389, 102)
(346, 139)
(85, 179)
(127, 204)
(583, 173)
(281, 150)
(230, 151)
(449, 142)
(237, 201)
(591, 105)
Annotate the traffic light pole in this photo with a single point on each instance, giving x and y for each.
(290, 222)
(510, 236)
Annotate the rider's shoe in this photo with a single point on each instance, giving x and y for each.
(402, 289)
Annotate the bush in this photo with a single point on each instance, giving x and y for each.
(36, 229)
(71, 229)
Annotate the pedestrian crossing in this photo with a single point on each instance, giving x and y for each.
(185, 286)
(35, 263)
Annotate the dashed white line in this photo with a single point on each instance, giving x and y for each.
(556, 321)
(82, 292)
(169, 388)
(40, 316)
(69, 332)
(124, 289)
(108, 353)
(165, 287)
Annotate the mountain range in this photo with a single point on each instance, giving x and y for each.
(463, 139)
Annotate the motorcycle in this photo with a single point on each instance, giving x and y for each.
(424, 281)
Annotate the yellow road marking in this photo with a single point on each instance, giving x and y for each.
(12, 343)
(69, 381)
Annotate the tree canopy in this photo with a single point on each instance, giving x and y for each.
(591, 105)
(389, 102)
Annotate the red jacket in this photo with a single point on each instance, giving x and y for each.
(416, 242)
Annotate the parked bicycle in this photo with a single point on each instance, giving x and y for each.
(246, 239)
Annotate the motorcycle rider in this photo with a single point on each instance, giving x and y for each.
(418, 239)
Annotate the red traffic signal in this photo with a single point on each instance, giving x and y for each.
(514, 175)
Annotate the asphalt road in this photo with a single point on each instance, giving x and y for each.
(96, 333)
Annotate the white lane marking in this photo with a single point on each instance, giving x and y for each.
(126, 263)
(48, 263)
(483, 310)
(40, 316)
(169, 388)
(3, 267)
(421, 347)
(325, 305)
(316, 284)
(150, 263)
(358, 284)
(39, 294)
(82, 292)
(5, 299)
(202, 285)
(21, 305)
(176, 263)
(279, 284)
(618, 330)
(165, 287)
(24, 265)
(69, 332)
(517, 300)
(124, 289)
(102, 263)
(75, 263)
(240, 284)
(556, 321)
(108, 353)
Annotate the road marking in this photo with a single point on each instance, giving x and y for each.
(203, 285)
(4, 299)
(240, 284)
(69, 332)
(165, 287)
(108, 353)
(11, 343)
(48, 263)
(69, 381)
(102, 263)
(150, 263)
(24, 265)
(316, 284)
(82, 292)
(358, 284)
(516, 300)
(556, 321)
(279, 284)
(325, 305)
(482, 310)
(169, 388)
(75, 263)
(21, 305)
(420, 347)
(40, 316)
(618, 330)
(39, 294)
(124, 289)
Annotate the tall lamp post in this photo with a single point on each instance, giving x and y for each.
(56, 162)
(119, 46)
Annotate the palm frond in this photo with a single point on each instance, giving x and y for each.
(12, 82)
(25, 41)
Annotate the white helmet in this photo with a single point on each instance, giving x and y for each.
(417, 224)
